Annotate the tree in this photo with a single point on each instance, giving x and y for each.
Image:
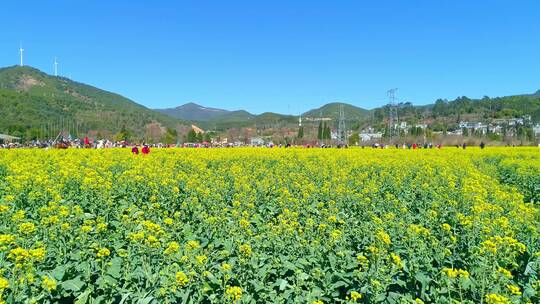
(199, 137)
(320, 131)
(207, 137)
(412, 131)
(170, 136)
(530, 134)
(326, 133)
(192, 136)
(153, 132)
(378, 114)
(439, 109)
(465, 131)
(354, 139)
(386, 133)
(520, 132)
(122, 135)
(300, 132)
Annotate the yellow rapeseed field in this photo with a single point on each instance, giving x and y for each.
(270, 226)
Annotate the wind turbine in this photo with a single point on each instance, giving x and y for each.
(55, 67)
(21, 50)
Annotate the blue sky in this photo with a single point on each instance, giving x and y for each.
(281, 56)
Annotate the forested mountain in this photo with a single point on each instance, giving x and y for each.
(193, 111)
(32, 102)
(331, 110)
(221, 120)
(240, 119)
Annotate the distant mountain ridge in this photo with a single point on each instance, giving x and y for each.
(443, 111)
(193, 111)
(33, 102)
(220, 117)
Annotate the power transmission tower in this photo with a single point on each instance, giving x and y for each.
(342, 132)
(393, 118)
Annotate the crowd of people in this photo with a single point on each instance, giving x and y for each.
(64, 143)
(415, 146)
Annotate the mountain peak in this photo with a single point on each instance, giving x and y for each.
(194, 112)
(20, 68)
(191, 104)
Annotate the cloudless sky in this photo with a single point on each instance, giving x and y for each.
(281, 56)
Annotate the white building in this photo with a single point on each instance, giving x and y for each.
(257, 141)
(4, 138)
(370, 136)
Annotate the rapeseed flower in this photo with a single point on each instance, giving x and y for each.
(494, 298)
(27, 228)
(245, 250)
(48, 284)
(172, 248)
(103, 252)
(234, 293)
(181, 279)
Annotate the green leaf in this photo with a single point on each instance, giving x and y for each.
(58, 272)
(83, 297)
(124, 298)
(146, 300)
(74, 285)
(303, 276)
(116, 267)
(422, 278)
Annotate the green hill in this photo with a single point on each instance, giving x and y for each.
(33, 103)
(239, 119)
(331, 110)
(446, 115)
(482, 109)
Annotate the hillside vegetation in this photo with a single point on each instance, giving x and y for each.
(31, 101)
(331, 110)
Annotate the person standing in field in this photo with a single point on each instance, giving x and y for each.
(135, 150)
(145, 150)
